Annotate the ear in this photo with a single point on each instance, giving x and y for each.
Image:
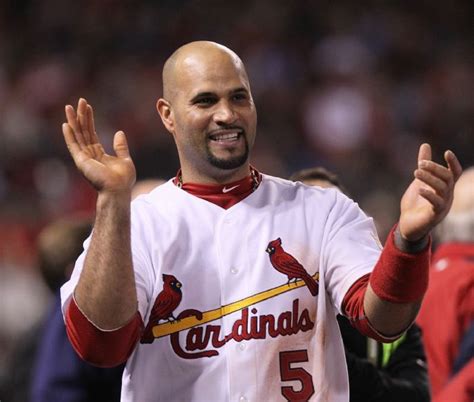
(166, 113)
(279, 241)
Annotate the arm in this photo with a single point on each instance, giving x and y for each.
(106, 292)
(424, 204)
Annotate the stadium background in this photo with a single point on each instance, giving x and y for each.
(353, 86)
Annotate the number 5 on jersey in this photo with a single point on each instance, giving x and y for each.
(290, 373)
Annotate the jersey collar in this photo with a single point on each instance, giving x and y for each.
(225, 195)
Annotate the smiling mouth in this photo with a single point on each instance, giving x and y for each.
(227, 136)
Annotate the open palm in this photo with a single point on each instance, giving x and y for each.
(107, 173)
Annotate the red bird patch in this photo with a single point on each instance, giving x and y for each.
(289, 266)
(166, 302)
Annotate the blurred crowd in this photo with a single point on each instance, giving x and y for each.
(352, 86)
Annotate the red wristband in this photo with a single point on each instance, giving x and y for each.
(400, 277)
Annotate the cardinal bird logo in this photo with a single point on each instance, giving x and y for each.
(289, 265)
(166, 302)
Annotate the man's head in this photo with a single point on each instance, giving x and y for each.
(208, 108)
(318, 176)
(58, 246)
(458, 225)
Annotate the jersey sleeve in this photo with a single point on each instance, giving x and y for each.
(67, 289)
(350, 248)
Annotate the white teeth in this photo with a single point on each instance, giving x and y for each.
(225, 137)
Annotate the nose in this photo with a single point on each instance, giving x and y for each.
(224, 113)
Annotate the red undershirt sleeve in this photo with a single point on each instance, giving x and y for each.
(397, 277)
(98, 347)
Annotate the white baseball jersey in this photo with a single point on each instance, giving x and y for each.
(243, 333)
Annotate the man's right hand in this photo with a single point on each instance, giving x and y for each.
(107, 173)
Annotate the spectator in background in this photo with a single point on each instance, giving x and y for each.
(466, 351)
(447, 312)
(377, 371)
(59, 374)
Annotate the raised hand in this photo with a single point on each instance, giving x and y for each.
(107, 173)
(429, 197)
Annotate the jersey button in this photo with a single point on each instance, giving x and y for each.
(241, 346)
(234, 270)
(243, 399)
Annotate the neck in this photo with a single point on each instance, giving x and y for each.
(223, 195)
(220, 176)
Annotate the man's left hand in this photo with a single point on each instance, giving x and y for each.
(429, 197)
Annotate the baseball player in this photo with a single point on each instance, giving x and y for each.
(223, 284)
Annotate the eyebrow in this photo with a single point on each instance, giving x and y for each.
(241, 89)
(213, 94)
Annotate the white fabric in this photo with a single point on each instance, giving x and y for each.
(220, 257)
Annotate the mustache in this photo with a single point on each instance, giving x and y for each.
(225, 128)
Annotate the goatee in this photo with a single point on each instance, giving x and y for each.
(231, 162)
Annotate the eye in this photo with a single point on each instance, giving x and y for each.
(205, 101)
(239, 96)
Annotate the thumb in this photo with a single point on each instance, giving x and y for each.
(121, 145)
(425, 152)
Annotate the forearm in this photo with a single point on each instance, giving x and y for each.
(106, 291)
(388, 318)
(397, 285)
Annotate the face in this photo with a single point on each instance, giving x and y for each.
(212, 116)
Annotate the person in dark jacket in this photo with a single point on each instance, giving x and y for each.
(389, 372)
(58, 373)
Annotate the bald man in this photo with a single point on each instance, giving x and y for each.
(224, 282)
(448, 309)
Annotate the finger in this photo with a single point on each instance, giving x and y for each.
(438, 185)
(453, 164)
(90, 120)
(74, 125)
(121, 145)
(434, 199)
(83, 121)
(71, 142)
(424, 152)
(436, 169)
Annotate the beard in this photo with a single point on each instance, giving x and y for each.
(232, 162)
